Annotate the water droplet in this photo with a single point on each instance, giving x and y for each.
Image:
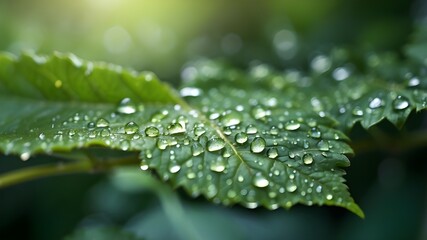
(259, 113)
(101, 122)
(190, 92)
(241, 137)
(125, 145)
(131, 128)
(260, 181)
(340, 73)
(357, 111)
(258, 145)
(272, 153)
(292, 125)
(152, 131)
(329, 197)
(215, 144)
(291, 187)
(162, 144)
(218, 165)
(307, 159)
(174, 167)
(231, 119)
(42, 136)
(320, 64)
(251, 129)
(91, 125)
(400, 103)
(413, 82)
(199, 131)
(375, 103)
(176, 128)
(25, 156)
(323, 145)
(319, 189)
(143, 165)
(231, 194)
(157, 117)
(190, 174)
(315, 133)
(126, 106)
(105, 132)
(240, 178)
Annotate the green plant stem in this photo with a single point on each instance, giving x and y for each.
(395, 144)
(83, 166)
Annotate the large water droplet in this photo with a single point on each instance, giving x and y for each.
(292, 125)
(413, 82)
(258, 145)
(174, 167)
(176, 128)
(101, 122)
(375, 103)
(215, 144)
(131, 128)
(323, 145)
(241, 138)
(126, 106)
(231, 119)
(260, 181)
(400, 103)
(307, 159)
(152, 131)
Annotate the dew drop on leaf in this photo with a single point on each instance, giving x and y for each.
(375, 103)
(25, 156)
(215, 144)
(131, 128)
(323, 145)
(357, 111)
(241, 137)
(143, 165)
(291, 187)
(314, 133)
(197, 149)
(126, 106)
(105, 132)
(231, 119)
(260, 181)
(218, 165)
(400, 103)
(174, 167)
(259, 112)
(251, 129)
(307, 159)
(199, 131)
(329, 197)
(176, 128)
(272, 153)
(42, 136)
(91, 125)
(258, 145)
(152, 131)
(101, 123)
(162, 144)
(292, 125)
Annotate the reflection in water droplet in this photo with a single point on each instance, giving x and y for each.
(258, 145)
(307, 159)
(241, 138)
(400, 103)
(152, 131)
(126, 106)
(260, 181)
(131, 128)
(215, 144)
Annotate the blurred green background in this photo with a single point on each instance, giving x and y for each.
(162, 36)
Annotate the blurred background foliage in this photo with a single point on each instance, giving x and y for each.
(164, 35)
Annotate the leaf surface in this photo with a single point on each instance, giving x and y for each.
(235, 143)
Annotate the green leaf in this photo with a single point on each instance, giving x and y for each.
(102, 232)
(232, 144)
